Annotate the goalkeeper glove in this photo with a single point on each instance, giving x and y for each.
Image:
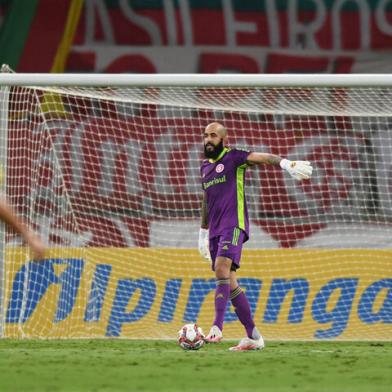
(204, 244)
(300, 170)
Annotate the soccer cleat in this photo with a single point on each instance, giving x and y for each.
(214, 336)
(247, 344)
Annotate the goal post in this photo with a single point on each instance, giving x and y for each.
(4, 97)
(106, 169)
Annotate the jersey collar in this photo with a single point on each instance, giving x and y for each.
(224, 151)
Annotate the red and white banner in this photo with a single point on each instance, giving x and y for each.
(225, 36)
(123, 174)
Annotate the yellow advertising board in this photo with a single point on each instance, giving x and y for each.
(150, 293)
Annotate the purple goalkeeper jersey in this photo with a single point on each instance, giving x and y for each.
(223, 181)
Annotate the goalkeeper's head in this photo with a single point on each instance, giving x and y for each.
(215, 139)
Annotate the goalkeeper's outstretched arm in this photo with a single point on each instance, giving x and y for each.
(8, 216)
(300, 170)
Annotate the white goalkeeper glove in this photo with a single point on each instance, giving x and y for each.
(300, 170)
(204, 244)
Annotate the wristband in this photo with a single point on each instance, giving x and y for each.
(285, 164)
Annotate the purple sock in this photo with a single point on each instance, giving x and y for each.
(242, 309)
(222, 293)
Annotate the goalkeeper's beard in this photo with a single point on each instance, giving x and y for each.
(213, 154)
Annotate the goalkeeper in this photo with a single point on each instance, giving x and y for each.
(225, 224)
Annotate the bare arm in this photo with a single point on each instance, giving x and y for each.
(255, 158)
(204, 213)
(203, 232)
(300, 170)
(8, 216)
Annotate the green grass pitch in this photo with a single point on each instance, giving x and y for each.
(126, 365)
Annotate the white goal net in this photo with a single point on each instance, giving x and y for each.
(109, 177)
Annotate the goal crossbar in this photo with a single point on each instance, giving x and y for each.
(198, 80)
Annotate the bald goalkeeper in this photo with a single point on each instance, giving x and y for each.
(225, 224)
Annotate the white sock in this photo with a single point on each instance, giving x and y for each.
(256, 334)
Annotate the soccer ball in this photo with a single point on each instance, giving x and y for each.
(190, 337)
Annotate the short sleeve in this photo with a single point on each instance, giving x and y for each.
(240, 156)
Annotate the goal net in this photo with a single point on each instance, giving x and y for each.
(109, 178)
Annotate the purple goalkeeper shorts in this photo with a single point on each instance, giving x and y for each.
(228, 244)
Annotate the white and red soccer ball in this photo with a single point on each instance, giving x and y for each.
(191, 337)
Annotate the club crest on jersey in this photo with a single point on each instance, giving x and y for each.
(220, 168)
